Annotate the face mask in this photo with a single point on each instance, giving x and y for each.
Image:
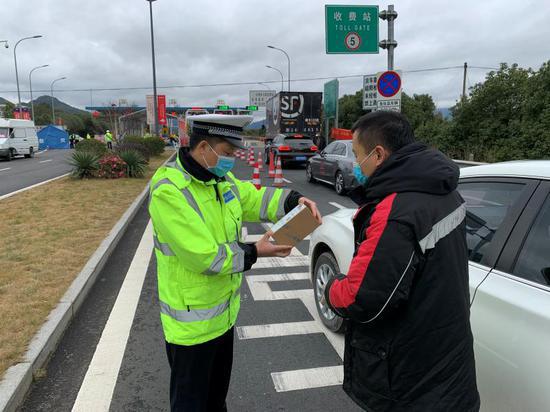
(358, 173)
(223, 165)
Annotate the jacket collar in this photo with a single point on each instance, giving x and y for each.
(192, 167)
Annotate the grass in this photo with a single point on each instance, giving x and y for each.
(48, 234)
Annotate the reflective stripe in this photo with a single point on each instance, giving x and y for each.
(193, 315)
(266, 199)
(235, 190)
(163, 247)
(238, 257)
(443, 228)
(217, 264)
(281, 208)
(160, 183)
(192, 202)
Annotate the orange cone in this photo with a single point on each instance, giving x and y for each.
(279, 181)
(260, 161)
(271, 165)
(251, 157)
(243, 154)
(256, 177)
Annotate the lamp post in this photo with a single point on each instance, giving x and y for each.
(30, 87)
(265, 85)
(15, 60)
(155, 108)
(51, 89)
(288, 58)
(281, 73)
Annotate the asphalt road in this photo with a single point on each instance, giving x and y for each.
(284, 359)
(22, 172)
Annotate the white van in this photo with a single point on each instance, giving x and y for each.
(17, 137)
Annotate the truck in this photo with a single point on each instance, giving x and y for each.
(293, 112)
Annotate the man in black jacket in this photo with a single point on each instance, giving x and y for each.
(409, 345)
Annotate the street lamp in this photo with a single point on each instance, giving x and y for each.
(30, 86)
(288, 58)
(155, 108)
(265, 85)
(281, 73)
(51, 88)
(15, 59)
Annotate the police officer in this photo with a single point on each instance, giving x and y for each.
(109, 139)
(197, 208)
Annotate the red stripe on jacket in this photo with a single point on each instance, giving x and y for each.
(343, 292)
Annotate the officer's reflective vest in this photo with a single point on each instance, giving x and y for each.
(199, 262)
(108, 137)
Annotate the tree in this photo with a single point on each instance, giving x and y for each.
(8, 110)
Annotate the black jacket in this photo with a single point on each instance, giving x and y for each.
(409, 344)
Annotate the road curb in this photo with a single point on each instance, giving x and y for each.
(18, 378)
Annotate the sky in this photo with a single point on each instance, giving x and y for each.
(100, 44)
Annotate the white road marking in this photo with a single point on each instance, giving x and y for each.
(274, 262)
(6, 168)
(33, 186)
(278, 329)
(287, 181)
(45, 161)
(308, 378)
(96, 391)
(337, 205)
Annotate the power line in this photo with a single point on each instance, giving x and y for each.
(111, 89)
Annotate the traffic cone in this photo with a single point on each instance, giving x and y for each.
(260, 161)
(271, 165)
(279, 182)
(251, 157)
(256, 177)
(243, 154)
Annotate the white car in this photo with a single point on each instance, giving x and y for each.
(508, 235)
(17, 137)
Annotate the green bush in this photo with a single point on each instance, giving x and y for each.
(85, 164)
(135, 163)
(138, 147)
(154, 144)
(92, 146)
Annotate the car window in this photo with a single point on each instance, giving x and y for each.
(30, 132)
(534, 259)
(487, 204)
(340, 149)
(19, 132)
(330, 148)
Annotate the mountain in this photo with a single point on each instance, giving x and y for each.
(59, 105)
(4, 101)
(256, 125)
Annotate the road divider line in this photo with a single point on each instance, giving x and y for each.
(278, 329)
(45, 161)
(99, 383)
(337, 205)
(33, 186)
(6, 168)
(308, 378)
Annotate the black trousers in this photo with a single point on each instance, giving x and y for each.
(200, 374)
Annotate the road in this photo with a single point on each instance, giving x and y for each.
(22, 172)
(112, 356)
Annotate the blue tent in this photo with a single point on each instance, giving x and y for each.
(52, 137)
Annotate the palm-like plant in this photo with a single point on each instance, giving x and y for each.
(85, 164)
(135, 163)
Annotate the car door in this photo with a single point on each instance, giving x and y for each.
(511, 316)
(19, 140)
(493, 206)
(332, 160)
(325, 154)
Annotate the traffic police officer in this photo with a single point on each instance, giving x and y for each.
(197, 207)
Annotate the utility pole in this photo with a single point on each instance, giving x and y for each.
(390, 44)
(155, 103)
(464, 81)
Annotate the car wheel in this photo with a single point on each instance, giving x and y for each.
(339, 184)
(31, 153)
(326, 268)
(9, 157)
(309, 174)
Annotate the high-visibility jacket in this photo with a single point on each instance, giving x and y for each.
(88, 136)
(199, 260)
(108, 137)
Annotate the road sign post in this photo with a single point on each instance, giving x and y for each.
(351, 29)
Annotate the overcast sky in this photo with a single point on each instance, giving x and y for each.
(106, 44)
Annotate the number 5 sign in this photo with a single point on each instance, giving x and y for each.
(351, 29)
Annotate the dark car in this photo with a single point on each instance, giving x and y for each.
(294, 147)
(334, 165)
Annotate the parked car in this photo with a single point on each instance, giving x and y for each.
(292, 147)
(17, 137)
(334, 165)
(508, 236)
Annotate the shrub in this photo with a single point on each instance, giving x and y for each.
(155, 144)
(135, 163)
(85, 164)
(92, 146)
(138, 147)
(112, 167)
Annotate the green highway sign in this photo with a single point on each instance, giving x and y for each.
(223, 107)
(252, 108)
(351, 29)
(331, 99)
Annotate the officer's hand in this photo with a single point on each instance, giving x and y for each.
(266, 248)
(313, 207)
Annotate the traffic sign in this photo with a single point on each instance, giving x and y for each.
(370, 93)
(223, 107)
(260, 97)
(252, 108)
(389, 84)
(351, 29)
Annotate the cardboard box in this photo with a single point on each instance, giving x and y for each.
(294, 226)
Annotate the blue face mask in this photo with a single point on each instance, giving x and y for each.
(222, 166)
(358, 173)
